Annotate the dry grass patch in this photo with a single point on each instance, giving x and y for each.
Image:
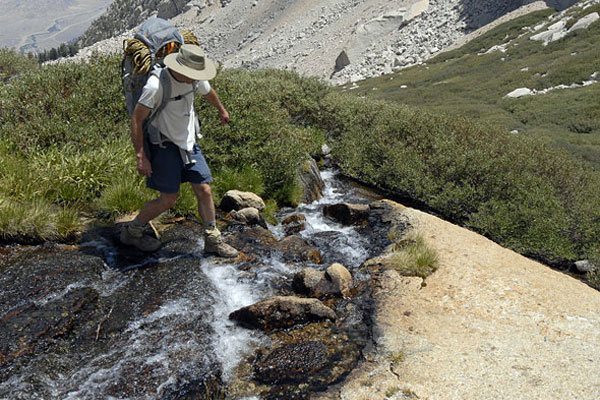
(412, 256)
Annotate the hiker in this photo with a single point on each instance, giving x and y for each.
(178, 157)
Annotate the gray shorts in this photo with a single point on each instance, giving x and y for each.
(168, 170)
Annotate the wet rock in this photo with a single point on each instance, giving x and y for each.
(584, 266)
(310, 179)
(385, 224)
(294, 224)
(340, 278)
(291, 362)
(237, 200)
(259, 243)
(347, 214)
(308, 281)
(335, 281)
(343, 352)
(331, 244)
(248, 216)
(64, 313)
(255, 241)
(281, 312)
(296, 249)
(32, 328)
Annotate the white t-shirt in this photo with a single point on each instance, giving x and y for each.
(177, 119)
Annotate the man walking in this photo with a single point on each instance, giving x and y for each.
(177, 158)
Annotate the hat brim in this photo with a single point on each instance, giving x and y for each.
(208, 73)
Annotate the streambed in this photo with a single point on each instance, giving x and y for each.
(103, 321)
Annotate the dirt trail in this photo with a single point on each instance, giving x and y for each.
(489, 324)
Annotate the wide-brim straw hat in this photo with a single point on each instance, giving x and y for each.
(190, 61)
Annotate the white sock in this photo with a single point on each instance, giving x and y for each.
(209, 225)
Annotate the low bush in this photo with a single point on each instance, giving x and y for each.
(65, 149)
(13, 64)
(64, 143)
(512, 189)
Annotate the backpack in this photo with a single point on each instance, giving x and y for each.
(143, 57)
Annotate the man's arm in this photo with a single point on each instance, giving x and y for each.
(140, 113)
(213, 98)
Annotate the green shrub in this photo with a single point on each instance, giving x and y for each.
(246, 178)
(64, 140)
(13, 64)
(514, 190)
(124, 195)
(269, 211)
(65, 148)
(268, 133)
(76, 104)
(36, 220)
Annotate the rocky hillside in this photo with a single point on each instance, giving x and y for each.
(340, 40)
(126, 14)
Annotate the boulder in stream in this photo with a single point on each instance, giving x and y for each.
(282, 312)
(237, 200)
(248, 216)
(311, 181)
(296, 249)
(291, 362)
(294, 224)
(346, 213)
(335, 281)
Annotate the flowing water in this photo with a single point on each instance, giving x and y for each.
(166, 337)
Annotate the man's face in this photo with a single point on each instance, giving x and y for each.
(182, 78)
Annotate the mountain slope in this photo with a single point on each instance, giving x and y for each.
(475, 79)
(339, 40)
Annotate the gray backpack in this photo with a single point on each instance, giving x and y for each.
(143, 57)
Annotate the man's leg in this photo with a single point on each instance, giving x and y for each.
(154, 208)
(133, 233)
(213, 242)
(206, 206)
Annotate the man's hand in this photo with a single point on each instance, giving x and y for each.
(137, 137)
(143, 165)
(213, 98)
(224, 116)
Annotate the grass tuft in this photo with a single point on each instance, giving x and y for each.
(398, 357)
(271, 208)
(413, 257)
(392, 391)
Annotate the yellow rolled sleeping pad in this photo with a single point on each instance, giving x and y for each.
(140, 54)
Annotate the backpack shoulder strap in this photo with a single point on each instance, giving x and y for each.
(154, 134)
(165, 84)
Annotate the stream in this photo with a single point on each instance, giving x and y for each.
(97, 321)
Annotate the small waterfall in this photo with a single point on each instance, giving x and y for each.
(235, 289)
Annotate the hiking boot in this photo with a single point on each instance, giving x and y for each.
(133, 234)
(213, 244)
